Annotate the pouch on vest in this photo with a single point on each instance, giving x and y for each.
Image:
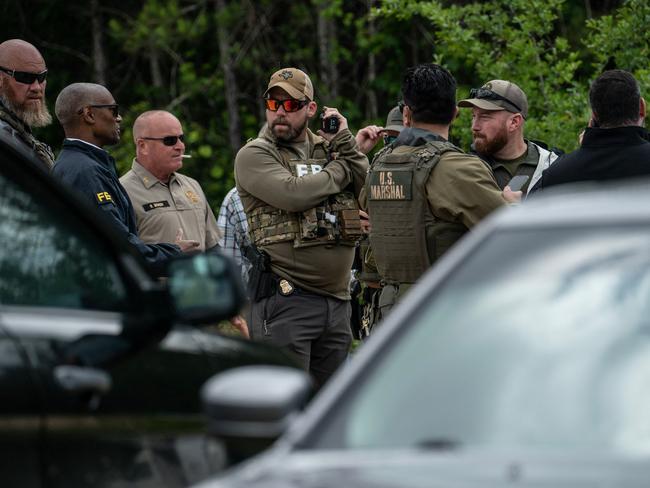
(335, 220)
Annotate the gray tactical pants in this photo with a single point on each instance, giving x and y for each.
(314, 328)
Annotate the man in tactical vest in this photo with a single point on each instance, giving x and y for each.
(424, 193)
(22, 95)
(366, 286)
(299, 191)
(499, 111)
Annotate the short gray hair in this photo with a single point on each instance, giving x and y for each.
(73, 98)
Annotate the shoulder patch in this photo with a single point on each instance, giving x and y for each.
(154, 205)
(191, 196)
(103, 197)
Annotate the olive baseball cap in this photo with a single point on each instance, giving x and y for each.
(293, 81)
(498, 95)
(394, 120)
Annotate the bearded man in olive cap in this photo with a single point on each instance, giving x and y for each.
(499, 112)
(299, 191)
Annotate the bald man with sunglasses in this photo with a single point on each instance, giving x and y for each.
(164, 200)
(299, 191)
(91, 120)
(22, 95)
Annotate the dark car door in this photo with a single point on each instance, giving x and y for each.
(20, 416)
(120, 394)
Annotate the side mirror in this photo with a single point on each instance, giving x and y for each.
(205, 288)
(250, 407)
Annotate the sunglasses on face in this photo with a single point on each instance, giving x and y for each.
(167, 140)
(113, 107)
(25, 77)
(289, 105)
(485, 94)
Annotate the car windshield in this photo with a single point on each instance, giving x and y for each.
(541, 339)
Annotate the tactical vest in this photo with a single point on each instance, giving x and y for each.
(334, 221)
(40, 149)
(406, 238)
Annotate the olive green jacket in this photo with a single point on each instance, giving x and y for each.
(263, 178)
(41, 150)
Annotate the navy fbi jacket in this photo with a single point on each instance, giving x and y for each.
(92, 171)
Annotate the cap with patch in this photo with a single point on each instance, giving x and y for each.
(498, 95)
(394, 120)
(293, 81)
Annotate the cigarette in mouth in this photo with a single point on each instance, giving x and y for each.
(186, 156)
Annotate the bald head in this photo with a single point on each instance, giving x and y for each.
(73, 98)
(148, 120)
(25, 98)
(14, 52)
(149, 133)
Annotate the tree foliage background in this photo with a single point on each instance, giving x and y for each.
(208, 61)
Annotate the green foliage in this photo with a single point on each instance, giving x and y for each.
(166, 54)
(500, 39)
(622, 40)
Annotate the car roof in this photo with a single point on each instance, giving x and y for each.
(570, 206)
(585, 203)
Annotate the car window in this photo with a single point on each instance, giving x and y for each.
(49, 259)
(540, 339)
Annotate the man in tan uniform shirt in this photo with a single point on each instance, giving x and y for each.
(166, 203)
(299, 193)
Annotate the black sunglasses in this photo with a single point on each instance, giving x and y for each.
(25, 76)
(113, 107)
(167, 140)
(289, 105)
(485, 94)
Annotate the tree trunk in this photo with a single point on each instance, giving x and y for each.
(99, 57)
(230, 81)
(326, 31)
(323, 53)
(371, 110)
(333, 64)
(154, 67)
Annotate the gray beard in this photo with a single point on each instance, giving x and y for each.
(37, 117)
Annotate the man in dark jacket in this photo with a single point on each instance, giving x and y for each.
(615, 144)
(91, 120)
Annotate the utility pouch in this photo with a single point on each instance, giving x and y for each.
(261, 281)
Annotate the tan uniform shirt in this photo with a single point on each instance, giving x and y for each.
(160, 209)
(263, 179)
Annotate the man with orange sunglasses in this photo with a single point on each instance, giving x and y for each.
(299, 191)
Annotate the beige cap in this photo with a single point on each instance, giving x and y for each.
(293, 81)
(498, 95)
(394, 120)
